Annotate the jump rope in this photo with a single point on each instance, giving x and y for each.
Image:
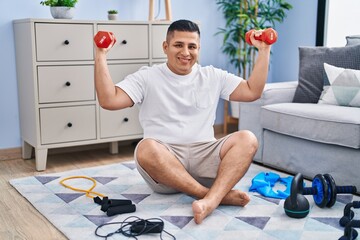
(132, 226)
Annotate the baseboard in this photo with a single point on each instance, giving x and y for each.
(10, 153)
(16, 153)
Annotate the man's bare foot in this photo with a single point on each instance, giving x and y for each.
(236, 198)
(201, 209)
(204, 207)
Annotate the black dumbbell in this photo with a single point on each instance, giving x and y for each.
(324, 191)
(348, 213)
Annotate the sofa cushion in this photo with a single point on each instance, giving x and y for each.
(343, 87)
(311, 68)
(322, 123)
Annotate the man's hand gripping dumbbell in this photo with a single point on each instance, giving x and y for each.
(104, 39)
(268, 35)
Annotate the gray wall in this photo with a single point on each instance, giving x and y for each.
(298, 30)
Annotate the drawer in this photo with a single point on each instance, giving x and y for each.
(67, 124)
(64, 42)
(66, 83)
(123, 122)
(119, 71)
(132, 41)
(158, 33)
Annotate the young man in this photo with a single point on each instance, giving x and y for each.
(178, 101)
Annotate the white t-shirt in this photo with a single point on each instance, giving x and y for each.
(179, 108)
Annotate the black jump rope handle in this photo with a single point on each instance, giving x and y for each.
(115, 206)
(114, 203)
(121, 209)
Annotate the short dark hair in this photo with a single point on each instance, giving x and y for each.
(182, 25)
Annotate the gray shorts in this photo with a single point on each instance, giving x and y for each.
(201, 160)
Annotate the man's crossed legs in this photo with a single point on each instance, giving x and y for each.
(169, 169)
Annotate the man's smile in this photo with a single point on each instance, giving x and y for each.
(184, 60)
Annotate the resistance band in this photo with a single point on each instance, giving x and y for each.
(263, 183)
(88, 191)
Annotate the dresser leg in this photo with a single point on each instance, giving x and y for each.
(114, 148)
(40, 159)
(26, 150)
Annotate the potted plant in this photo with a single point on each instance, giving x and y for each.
(112, 14)
(242, 16)
(61, 8)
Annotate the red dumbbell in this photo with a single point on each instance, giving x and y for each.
(268, 35)
(103, 39)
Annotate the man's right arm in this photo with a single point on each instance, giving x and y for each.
(109, 96)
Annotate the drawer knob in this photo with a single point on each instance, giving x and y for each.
(69, 124)
(124, 42)
(126, 119)
(66, 42)
(68, 84)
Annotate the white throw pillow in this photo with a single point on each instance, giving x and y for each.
(344, 88)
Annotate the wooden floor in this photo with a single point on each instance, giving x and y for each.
(18, 219)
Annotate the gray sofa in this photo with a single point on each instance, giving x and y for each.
(304, 137)
(312, 125)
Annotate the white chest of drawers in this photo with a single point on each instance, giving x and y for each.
(55, 72)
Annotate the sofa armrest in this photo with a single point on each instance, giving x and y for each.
(280, 92)
(249, 118)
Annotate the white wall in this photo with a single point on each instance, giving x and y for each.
(298, 29)
(342, 19)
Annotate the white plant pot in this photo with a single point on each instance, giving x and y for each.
(112, 16)
(62, 12)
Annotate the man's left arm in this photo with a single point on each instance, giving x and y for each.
(252, 88)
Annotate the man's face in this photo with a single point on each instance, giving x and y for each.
(182, 50)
